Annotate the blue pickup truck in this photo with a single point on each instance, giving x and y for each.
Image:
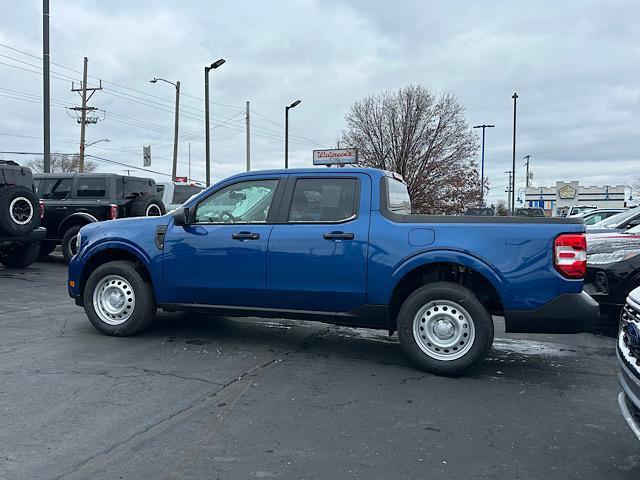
(338, 245)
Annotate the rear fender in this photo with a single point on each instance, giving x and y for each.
(449, 256)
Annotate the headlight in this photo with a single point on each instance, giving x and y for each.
(610, 257)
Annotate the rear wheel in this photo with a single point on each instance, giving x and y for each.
(147, 206)
(444, 328)
(21, 256)
(69, 243)
(118, 300)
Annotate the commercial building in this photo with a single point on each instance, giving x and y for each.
(566, 194)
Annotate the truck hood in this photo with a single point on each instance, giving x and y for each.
(123, 224)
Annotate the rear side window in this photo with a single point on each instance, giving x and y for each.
(182, 193)
(56, 188)
(398, 198)
(323, 200)
(91, 187)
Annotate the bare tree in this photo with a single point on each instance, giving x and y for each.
(62, 163)
(502, 209)
(424, 138)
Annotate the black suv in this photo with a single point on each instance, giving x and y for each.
(20, 214)
(73, 200)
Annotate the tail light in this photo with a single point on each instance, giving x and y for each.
(113, 211)
(41, 204)
(570, 255)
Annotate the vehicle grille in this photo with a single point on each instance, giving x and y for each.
(630, 328)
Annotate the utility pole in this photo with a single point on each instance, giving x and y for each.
(46, 99)
(508, 190)
(83, 120)
(248, 138)
(527, 157)
(189, 174)
(174, 169)
(483, 127)
(513, 168)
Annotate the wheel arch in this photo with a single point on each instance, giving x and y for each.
(110, 252)
(78, 218)
(451, 266)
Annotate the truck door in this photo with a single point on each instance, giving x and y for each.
(317, 255)
(220, 259)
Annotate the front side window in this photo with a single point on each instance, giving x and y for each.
(135, 188)
(245, 202)
(56, 188)
(323, 200)
(398, 196)
(91, 187)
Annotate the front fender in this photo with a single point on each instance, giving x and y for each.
(450, 256)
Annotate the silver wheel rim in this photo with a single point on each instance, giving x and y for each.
(153, 210)
(443, 330)
(21, 210)
(114, 300)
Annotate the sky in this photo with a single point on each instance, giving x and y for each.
(574, 64)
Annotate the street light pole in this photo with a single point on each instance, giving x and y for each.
(513, 171)
(174, 170)
(213, 66)
(286, 132)
(483, 127)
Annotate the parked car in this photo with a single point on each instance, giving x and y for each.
(592, 217)
(75, 200)
(613, 269)
(530, 212)
(481, 211)
(20, 215)
(339, 246)
(628, 351)
(174, 194)
(619, 222)
(578, 209)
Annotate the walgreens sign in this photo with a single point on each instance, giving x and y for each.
(335, 156)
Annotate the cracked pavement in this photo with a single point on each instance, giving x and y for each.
(219, 398)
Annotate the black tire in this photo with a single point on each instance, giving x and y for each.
(19, 211)
(146, 206)
(46, 248)
(144, 304)
(69, 246)
(427, 300)
(21, 256)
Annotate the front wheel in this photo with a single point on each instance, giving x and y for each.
(69, 244)
(118, 300)
(444, 328)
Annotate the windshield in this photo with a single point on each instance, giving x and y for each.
(615, 220)
(182, 193)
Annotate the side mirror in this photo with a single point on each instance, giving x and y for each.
(181, 217)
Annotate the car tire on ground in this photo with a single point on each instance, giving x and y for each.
(21, 256)
(69, 245)
(46, 248)
(147, 206)
(119, 301)
(444, 328)
(19, 210)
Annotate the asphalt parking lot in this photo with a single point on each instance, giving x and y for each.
(220, 398)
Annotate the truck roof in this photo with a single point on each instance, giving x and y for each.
(374, 172)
